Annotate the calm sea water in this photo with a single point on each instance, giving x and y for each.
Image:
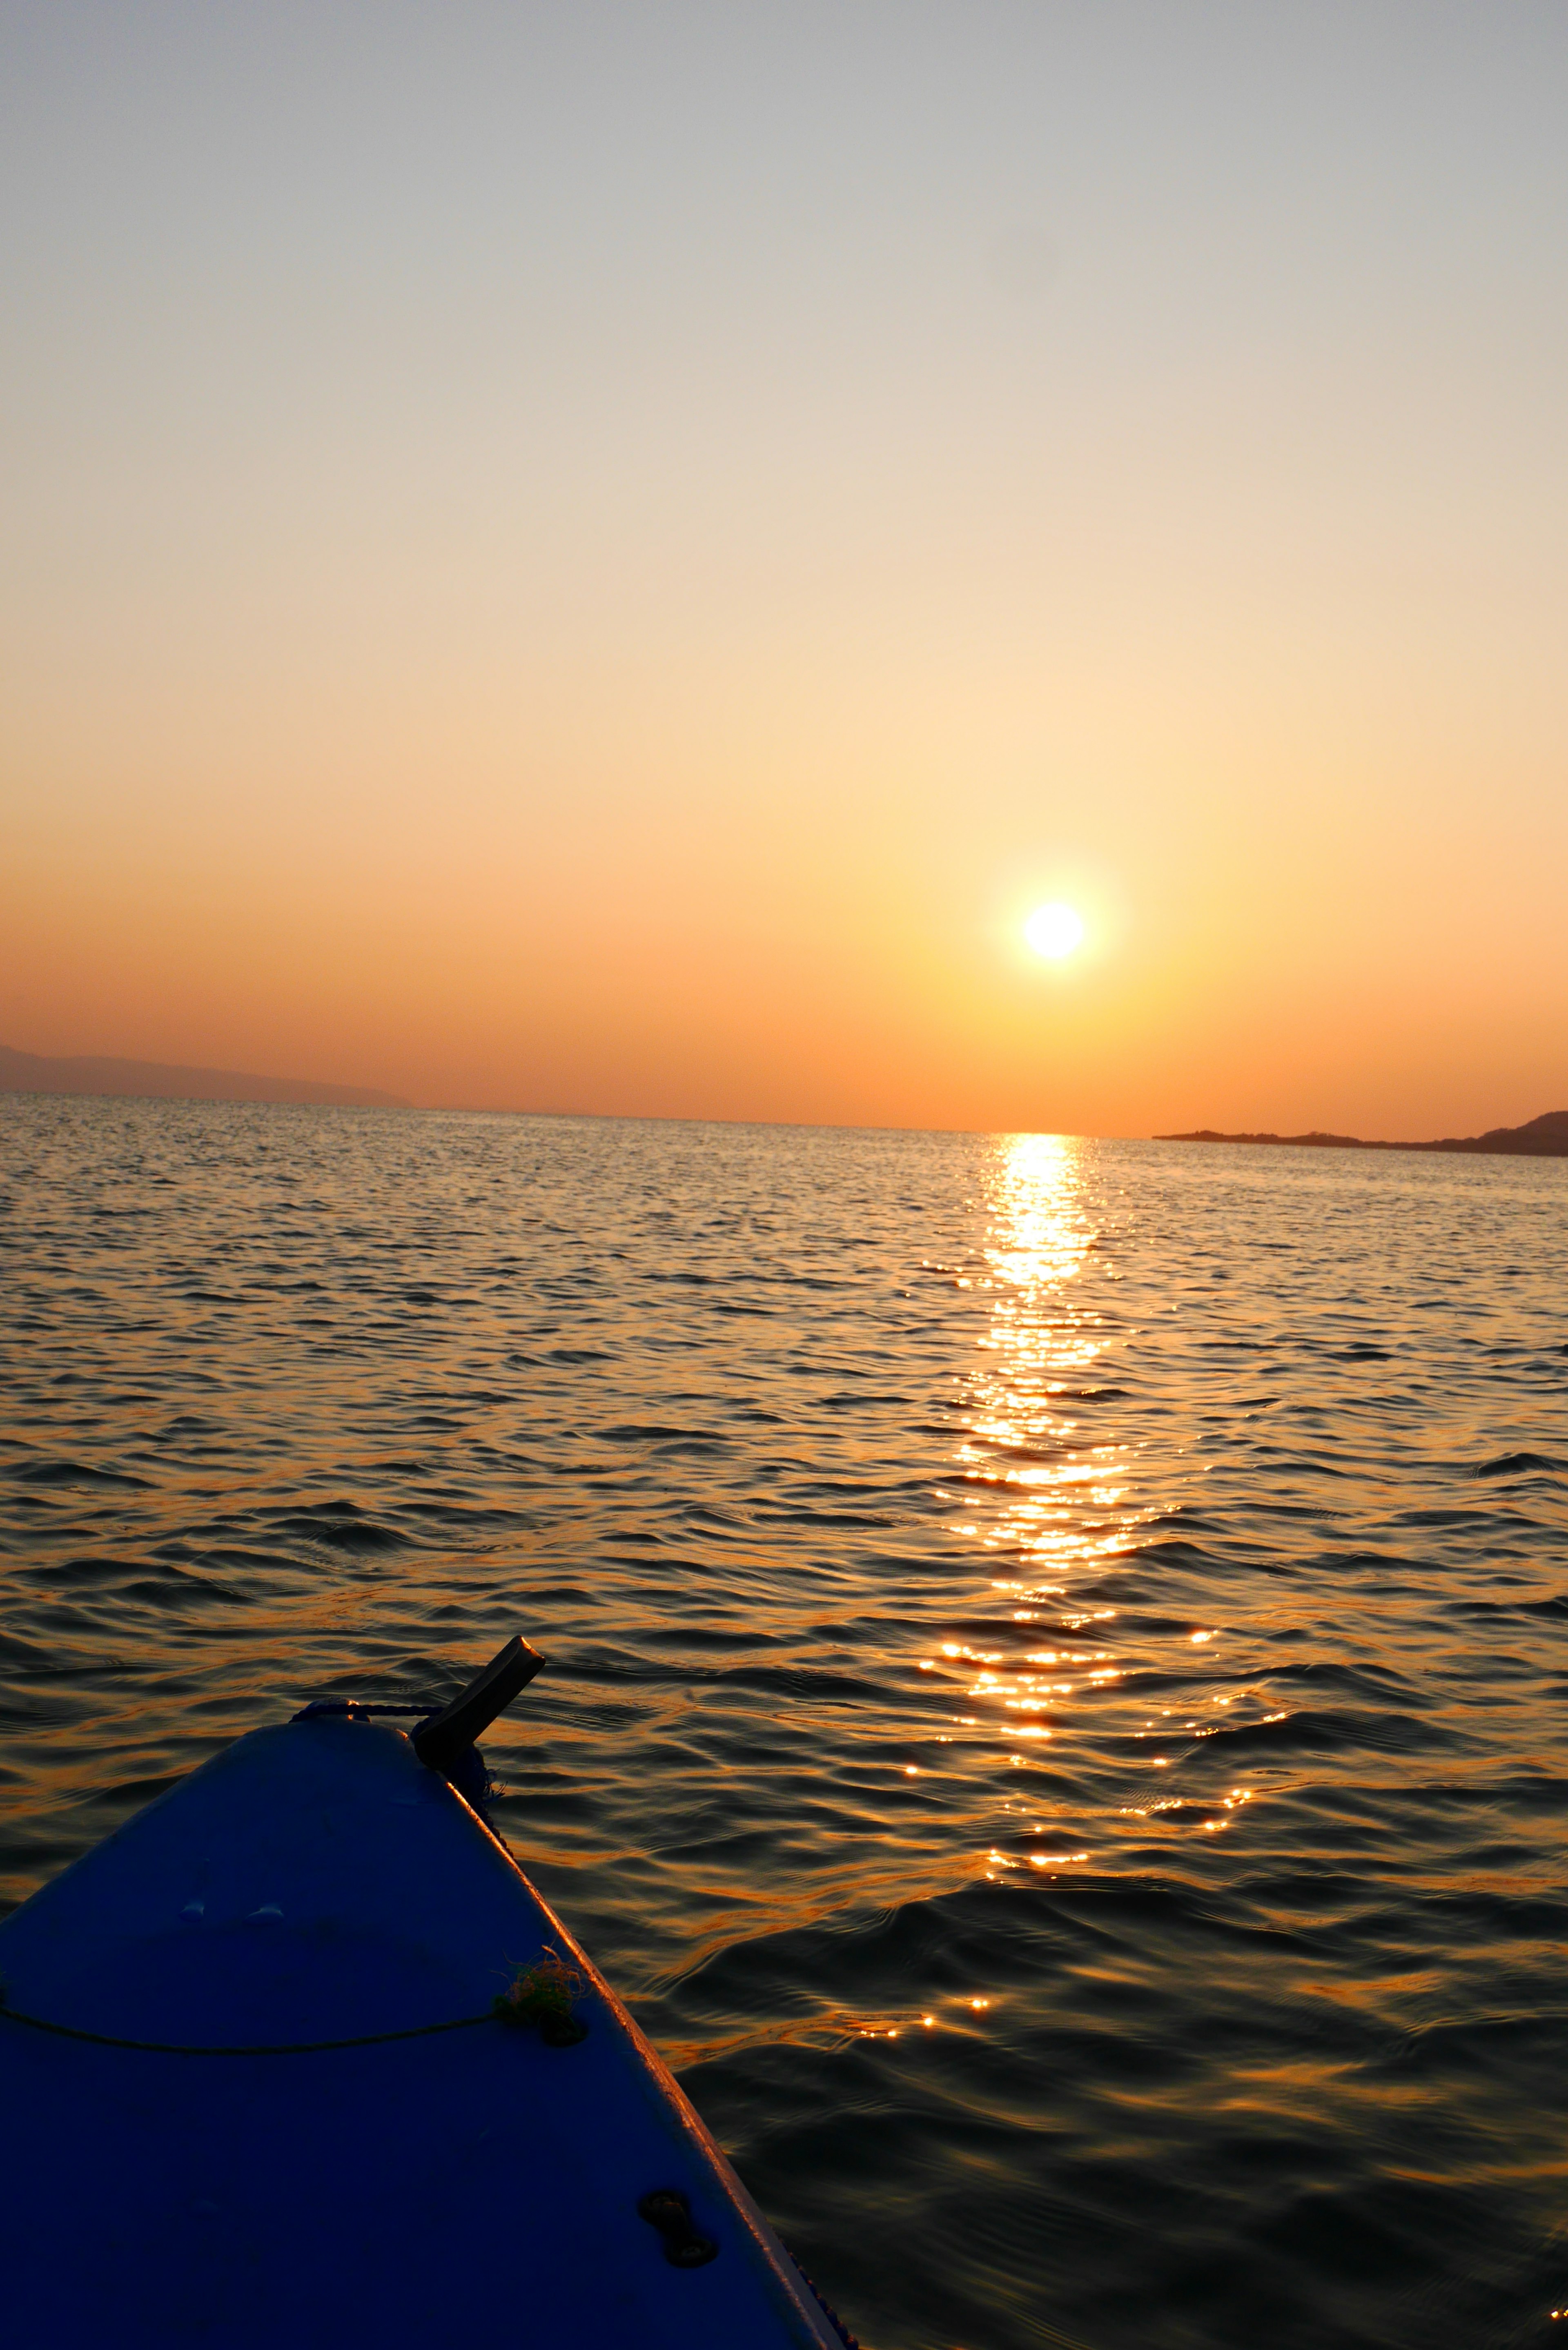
(1056, 1712)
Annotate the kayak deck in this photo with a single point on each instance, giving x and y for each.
(316, 1884)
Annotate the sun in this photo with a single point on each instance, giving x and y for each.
(1054, 930)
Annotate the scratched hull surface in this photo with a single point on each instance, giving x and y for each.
(1055, 1723)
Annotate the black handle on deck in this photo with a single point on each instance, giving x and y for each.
(439, 1742)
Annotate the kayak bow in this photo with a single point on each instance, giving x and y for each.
(300, 2055)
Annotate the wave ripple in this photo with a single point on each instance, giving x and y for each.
(1056, 1693)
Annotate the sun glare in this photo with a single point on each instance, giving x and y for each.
(1054, 930)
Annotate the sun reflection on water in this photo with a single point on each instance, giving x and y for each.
(1043, 1493)
(1052, 1497)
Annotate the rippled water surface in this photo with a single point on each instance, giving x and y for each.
(1056, 1713)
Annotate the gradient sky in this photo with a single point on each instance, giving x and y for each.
(604, 558)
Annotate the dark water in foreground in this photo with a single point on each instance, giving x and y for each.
(1056, 1719)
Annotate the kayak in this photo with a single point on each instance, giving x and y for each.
(299, 2057)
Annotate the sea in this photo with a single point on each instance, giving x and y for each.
(1058, 1650)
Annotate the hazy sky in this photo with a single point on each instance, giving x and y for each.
(604, 557)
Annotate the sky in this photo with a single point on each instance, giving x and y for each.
(606, 558)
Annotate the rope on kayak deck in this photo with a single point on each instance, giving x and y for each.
(540, 1998)
(320, 1705)
(466, 1770)
(268, 2048)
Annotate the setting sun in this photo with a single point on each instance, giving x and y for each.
(1054, 930)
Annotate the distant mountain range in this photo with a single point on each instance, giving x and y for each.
(40, 1073)
(1543, 1137)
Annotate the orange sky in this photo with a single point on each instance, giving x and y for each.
(607, 565)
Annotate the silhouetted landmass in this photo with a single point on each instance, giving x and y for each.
(41, 1073)
(1542, 1138)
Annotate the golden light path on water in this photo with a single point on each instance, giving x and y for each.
(1045, 1337)
(1043, 1494)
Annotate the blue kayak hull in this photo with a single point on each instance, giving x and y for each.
(316, 1884)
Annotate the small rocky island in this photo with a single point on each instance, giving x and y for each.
(1543, 1137)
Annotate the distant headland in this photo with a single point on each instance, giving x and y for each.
(41, 1073)
(1543, 1137)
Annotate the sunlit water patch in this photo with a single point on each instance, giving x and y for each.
(1055, 1711)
